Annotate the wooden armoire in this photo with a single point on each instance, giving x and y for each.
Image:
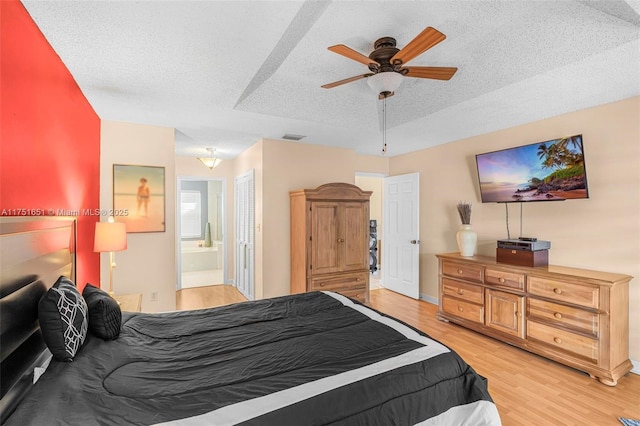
(330, 240)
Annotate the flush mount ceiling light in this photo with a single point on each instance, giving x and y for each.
(210, 161)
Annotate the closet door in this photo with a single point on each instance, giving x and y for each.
(244, 247)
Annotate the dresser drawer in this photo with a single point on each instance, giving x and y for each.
(357, 281)
(469, 292)
(567, 316)
(358, 294)
(577, 294)
(503, 278)
(575, 344)
(462, 309)
(463, 270)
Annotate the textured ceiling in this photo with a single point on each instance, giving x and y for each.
(225, 74)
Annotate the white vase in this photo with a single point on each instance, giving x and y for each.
(467, 240)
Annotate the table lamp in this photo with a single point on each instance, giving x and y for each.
(110, 236)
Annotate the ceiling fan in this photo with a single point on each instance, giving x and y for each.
(387, 62)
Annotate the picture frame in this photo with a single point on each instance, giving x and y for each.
(139, 197)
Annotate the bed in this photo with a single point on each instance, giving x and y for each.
(309, 359)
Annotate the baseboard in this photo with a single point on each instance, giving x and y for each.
(430, 299)
(636, 367)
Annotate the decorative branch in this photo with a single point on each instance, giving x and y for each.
(464, 210)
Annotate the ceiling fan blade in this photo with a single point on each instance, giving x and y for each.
(348, 52)
(428, 38)
(436, 73)
(345, 81)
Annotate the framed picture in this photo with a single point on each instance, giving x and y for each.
(139, 198)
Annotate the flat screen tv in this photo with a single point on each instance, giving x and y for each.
(545, 171)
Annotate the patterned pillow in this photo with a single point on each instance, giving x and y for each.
(105, 315)
(62, 313)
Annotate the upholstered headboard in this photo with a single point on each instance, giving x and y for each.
(34, 252)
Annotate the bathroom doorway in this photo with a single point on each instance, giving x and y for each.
(201, 227)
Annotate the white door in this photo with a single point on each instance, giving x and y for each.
(244, 250)
(401, 244)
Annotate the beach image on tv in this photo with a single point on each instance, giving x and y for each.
(545, 171)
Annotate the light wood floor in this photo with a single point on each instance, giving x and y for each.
(207, 297)
(527, 389)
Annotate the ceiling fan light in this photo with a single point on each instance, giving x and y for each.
(387, 81)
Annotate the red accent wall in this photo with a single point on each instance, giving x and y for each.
(49, 135)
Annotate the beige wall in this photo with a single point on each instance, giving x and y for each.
(289, 166)
(601, 233)
(148, 264)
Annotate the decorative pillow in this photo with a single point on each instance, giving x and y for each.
(105, 315)
(62, 313)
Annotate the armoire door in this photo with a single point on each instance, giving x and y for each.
(325, 238)
(353, 240)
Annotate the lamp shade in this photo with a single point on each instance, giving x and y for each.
(387, 81)
(110, 236)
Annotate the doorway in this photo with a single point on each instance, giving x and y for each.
(374, 182)
(201, 229)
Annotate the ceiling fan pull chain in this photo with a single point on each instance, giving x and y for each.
(384, 125)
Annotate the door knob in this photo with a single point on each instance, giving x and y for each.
(415, 241)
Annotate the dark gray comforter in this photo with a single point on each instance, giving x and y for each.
(312, 358)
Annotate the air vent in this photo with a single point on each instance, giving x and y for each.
(292, 137)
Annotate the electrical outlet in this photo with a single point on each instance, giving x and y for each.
(154, 296)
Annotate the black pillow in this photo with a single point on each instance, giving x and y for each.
(62, 313)
(105, 315)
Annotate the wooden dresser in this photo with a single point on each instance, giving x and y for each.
(577, 317)
(330, 240)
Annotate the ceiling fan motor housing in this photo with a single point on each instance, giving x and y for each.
(384, 49)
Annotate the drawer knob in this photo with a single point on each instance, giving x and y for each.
(460, 291)
(460, 271)
(341, 240)
(357, 279)
(460, 308)
(557, 315)
(501, 280)
(557, 290)
(557, 340)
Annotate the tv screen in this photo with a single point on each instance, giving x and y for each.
(544, 171)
